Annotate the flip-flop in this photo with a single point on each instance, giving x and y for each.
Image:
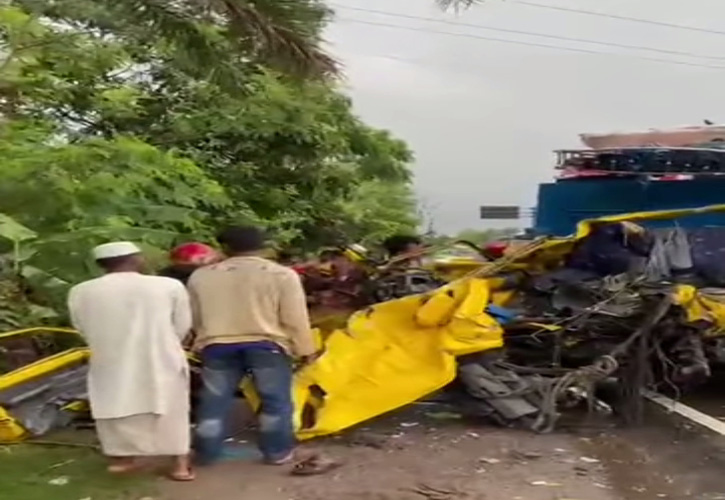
(182, 477)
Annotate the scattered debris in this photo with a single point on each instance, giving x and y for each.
(525, 455)
(368, 440)
(589, 460)
(581, 471)
(61, 464)
(544, 483)
(438, 493)
(59, 481)
(315, 465)
(444, 415)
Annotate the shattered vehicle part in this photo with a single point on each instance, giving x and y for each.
(45, 388)
(397, 284)
(562, 345)
(48, 404)
(44, 392)
(502, 395)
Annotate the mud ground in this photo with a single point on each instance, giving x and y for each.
(427, 454)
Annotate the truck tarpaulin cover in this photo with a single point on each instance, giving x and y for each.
(672, 138)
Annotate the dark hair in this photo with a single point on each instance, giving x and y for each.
(331, 253)
(398, 244)
(285, 255)
(241, 239)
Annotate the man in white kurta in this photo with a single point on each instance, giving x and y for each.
(138, 380)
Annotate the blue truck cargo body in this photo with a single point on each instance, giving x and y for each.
(564, 203)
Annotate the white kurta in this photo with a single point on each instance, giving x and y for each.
(138, 380)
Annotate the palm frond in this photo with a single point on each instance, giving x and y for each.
(285, 32)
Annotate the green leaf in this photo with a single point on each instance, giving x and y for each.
(12, 230)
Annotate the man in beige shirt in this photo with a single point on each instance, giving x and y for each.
(250, 317)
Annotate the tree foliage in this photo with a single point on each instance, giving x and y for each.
(116, 123)
(212, 34)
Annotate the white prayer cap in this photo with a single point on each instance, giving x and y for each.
(115, 249)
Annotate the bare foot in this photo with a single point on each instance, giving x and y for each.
(182, 470)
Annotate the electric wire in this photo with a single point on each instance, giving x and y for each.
(531, 33)
(525, 43)
(620, 18)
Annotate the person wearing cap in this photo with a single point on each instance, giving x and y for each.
(250, 317)
(138, 379)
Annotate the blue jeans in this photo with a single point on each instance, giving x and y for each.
(271, 371)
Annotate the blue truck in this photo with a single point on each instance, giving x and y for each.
(635, 177)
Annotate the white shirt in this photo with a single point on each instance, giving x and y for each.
(134, 325)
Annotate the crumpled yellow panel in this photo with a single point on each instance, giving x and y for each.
(701, 306)
(10, 430)
(471, 329)
(386, 359)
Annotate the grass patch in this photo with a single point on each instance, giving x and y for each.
(28, 472)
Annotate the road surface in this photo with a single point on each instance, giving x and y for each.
(422, 454)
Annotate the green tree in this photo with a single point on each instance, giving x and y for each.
(286, 151)
(209, 34)
(378, 209)
(73, 196)
(111, 130)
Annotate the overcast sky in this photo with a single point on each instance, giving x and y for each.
(483, 116)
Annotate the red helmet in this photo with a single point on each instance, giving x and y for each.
(496, 249)
(195, 254)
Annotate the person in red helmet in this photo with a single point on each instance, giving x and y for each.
(495, 249)
(187, 258)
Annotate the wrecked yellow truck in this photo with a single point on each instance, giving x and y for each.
(515, 341)
(42, 382)
(535, 330)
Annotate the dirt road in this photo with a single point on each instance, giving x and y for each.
(421, 456)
